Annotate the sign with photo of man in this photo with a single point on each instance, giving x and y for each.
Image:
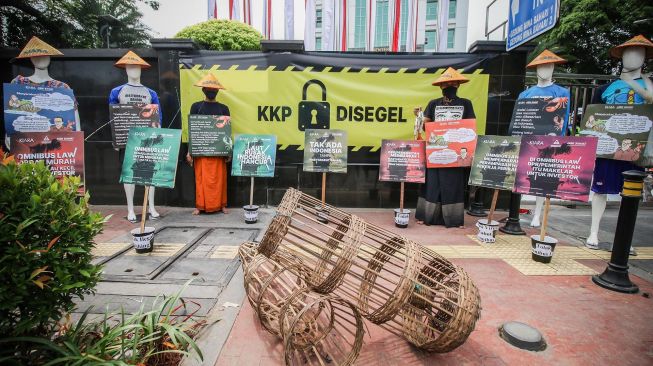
(29, 108)
(450, 143)
(151, 157)
(623, 131)
(325, 151)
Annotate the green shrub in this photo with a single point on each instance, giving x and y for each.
(46, 237)
(155, 337)
(223, 35)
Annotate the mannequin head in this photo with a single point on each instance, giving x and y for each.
(545, 72)
(40, 62)
(633, 58)
(133, 72)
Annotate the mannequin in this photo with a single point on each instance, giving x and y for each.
(39, 53)
(133, 92)
(545, 64)
(631, 88)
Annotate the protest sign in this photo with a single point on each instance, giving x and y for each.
(623, 131)
(254, 155)
(325, 151)
(62, 152)
(495, 162)
(151, 156)
(539, 116)
(209, 135)
(450, 143)
(30, 108)
(402, 161)
(125, 116)
(556, 166)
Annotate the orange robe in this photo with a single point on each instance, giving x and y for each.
(210, 183)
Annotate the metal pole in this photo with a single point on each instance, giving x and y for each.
(615, 277)
(512, 226)
(477, 207)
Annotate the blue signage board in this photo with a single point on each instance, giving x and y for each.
(528, 19)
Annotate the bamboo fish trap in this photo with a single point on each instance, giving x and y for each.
(409, 290)
(316, 329)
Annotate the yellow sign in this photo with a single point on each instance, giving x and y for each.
(369, 106)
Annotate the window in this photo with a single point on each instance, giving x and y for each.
(452, 9)
(359, 24)
(381, 33)
(429, 46)
(318, 43)
(403, 25)
(318, 18)
(451, 38)
(431, 10)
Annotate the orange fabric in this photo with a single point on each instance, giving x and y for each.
(210, 183)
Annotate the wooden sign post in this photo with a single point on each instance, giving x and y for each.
(547, 205)
(144, 212)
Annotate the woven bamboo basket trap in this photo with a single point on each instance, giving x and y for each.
(315, 328)
(394, 282)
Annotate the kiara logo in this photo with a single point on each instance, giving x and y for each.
(25, 140)
(538, 142)
(316, 114)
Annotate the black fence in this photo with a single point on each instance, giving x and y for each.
(92, 75)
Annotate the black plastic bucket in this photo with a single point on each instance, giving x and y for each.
(487, 233)
(402, 218)
(251, 214)
(143, 243)
(543, 249)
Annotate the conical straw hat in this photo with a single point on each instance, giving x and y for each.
(546, 57)
(36, 47)
(209, 81)
(131, 58)
(450, 75)
(637, 41)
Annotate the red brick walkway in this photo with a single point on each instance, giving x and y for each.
(582, 323)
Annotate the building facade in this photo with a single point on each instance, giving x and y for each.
(427, 25)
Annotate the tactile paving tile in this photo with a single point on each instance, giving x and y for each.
(108, 249)
(225, 252)
(160, 250)
(557, 267)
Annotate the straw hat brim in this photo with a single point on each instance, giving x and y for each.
(618, 51)
(459, 81)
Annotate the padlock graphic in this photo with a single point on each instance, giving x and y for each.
(313, 114)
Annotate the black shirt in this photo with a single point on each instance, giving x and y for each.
(466, 104)
(209, 108)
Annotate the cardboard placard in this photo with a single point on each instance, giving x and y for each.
(325, 151)
(539, 116)
(151, 157)
(450, 143)
(623, 130)
(30, 108)
(62, 152)
(495, 162)
(254, 155)
(556, 166)
(125, 116)
(402, 161)
(209, 135)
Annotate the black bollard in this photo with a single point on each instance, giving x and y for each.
(477, 208)
(615, 277)
(512, 226)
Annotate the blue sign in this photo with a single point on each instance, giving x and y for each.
(30, 108)
(528, 19)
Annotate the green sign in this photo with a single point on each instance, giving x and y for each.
(325, 151)
(209, 135)
(151, 157)
(495, 162)
(254, 155)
